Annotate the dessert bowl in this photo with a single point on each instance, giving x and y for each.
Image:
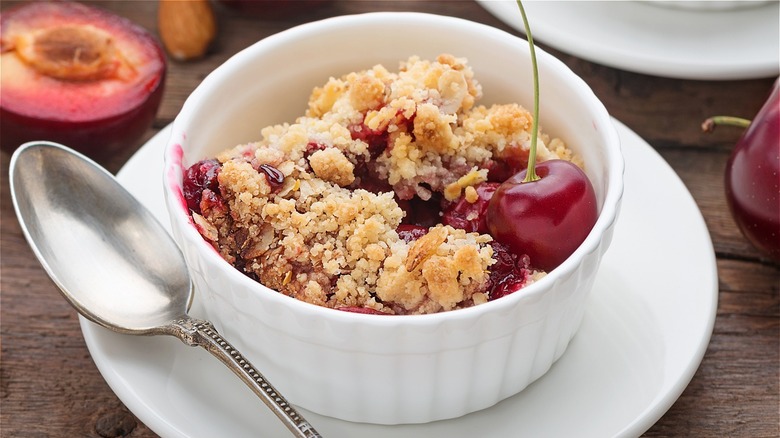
(391, 369)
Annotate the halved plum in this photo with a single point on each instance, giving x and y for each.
(77, 75)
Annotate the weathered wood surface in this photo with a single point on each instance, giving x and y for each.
(49, 385)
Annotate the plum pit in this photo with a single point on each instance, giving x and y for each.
(71, 52)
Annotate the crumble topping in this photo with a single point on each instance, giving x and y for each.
(317, 209)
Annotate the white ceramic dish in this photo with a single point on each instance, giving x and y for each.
(411, 368)
(680, 43)
(641, 340)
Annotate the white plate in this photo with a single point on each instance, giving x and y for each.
(641, 37)
(644, 333)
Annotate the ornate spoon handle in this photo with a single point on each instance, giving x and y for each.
(197, 332)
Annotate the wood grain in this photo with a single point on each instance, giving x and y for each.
(49, 386)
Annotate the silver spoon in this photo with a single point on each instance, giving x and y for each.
(114, 262)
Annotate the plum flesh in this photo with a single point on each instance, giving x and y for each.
(77, 75)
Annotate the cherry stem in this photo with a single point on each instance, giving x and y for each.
(530, 174)
(709, 124)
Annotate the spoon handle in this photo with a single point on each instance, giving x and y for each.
(197, 332)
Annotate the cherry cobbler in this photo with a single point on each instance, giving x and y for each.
(374, 201)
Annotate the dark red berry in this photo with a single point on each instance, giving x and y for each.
(752, 178)
(313, 147)
(377, 140)
(274, 177)
(509, 272)
(197, 178)
(547, 218)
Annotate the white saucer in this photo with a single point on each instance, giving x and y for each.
(638, 36)
(644, 333)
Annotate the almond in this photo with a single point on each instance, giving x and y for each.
(424, 247)
(187, 27)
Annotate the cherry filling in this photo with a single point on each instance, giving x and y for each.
(510, 164)
(469, 216)
(201, 183)
(198, 178)
(313, 147)
(421, 213)
(508, 273)
(377, 141)
(366, 177)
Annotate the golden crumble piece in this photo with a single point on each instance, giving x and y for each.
(557, 148)
(332, 165)
(453, 90)
(474, 90)
(441, 275)
(507, 120)
(323, 98)
(245, 183)
(389, 117)
(366, 92)
(440, 271)
(437, 82)
(479, 298)
(471, 195)
(314, 293)
(467, 181)
(403, 289)
(452, 61)
(432, 129)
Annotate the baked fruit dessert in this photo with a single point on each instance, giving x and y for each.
(375, 200)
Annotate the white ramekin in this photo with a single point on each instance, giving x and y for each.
(401, 369)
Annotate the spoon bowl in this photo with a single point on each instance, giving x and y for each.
(114, 262)
(91, 235)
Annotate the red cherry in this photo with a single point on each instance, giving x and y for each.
(752, 177)
(546, 219)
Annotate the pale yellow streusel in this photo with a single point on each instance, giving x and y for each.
(312, 210)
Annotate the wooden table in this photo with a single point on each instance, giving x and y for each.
(49, 385)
